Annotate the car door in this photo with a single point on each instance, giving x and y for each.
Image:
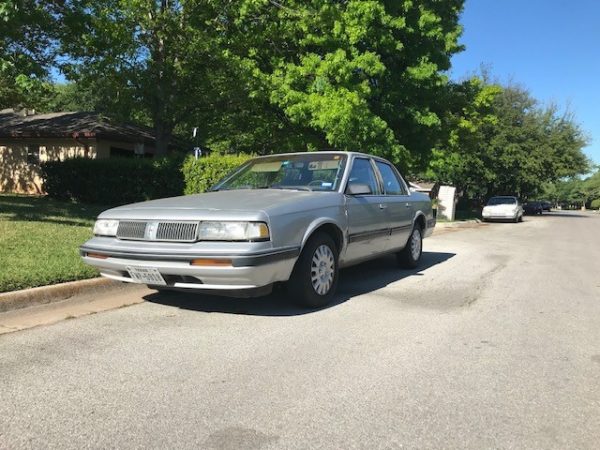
(398, 205)
(368, 227)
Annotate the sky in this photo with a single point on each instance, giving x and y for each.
(551, 47)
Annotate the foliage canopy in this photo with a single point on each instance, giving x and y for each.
(502, 142)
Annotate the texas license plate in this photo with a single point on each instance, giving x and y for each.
(146, 275)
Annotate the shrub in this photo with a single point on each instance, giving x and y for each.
(113, 181)
(203, 173)
(595, 204)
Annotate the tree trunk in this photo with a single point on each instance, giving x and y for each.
(163, 138)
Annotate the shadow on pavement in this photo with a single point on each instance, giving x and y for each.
(356, 280)
(567, 214)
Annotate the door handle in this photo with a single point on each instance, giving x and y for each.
(382, 206)
(407, 205)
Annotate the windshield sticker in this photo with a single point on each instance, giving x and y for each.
(267, 167)
(323, 165)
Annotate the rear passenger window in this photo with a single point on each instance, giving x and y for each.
(391, 183)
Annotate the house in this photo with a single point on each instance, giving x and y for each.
(28, 139)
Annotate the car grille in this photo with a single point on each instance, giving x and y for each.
(177, 231)
(131, 230)
(158, 231)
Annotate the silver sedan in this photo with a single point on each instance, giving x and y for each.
(295, 218)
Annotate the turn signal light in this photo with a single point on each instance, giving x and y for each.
(96, 255)
(206, 262)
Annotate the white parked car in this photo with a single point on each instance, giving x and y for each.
(503, 208)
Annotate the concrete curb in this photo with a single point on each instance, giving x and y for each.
(53, 293)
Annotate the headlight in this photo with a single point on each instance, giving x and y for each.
(104, 227)
(233, 231)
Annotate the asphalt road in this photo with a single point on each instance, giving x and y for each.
(495, 343)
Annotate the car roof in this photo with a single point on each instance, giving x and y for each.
(333, 152)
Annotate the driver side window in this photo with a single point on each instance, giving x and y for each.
(363, 173)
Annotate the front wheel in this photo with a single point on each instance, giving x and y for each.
(315, 276)
(410, 255)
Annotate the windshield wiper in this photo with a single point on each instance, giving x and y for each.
(293, 188)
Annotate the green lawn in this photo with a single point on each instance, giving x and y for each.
(39, 240)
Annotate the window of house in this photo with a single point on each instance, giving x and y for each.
(33, 154)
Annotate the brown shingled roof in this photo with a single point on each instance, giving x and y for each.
(71, 124)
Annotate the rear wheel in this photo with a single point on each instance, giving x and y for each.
(410, 255)
(315, 276)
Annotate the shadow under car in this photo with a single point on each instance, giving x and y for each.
(356, 280)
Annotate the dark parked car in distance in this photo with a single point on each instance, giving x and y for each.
(546, 205)
(533, 208)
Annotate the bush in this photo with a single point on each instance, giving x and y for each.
(596, 204)
(113, 181)
(203, 173)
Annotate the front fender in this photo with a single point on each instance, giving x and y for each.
(319, 222)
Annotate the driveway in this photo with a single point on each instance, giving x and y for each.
(493, 343)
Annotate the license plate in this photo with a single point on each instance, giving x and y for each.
(146, 275)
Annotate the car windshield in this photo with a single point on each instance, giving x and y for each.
(307, 172)
(502, 201)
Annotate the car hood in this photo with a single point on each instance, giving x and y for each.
(246, 204)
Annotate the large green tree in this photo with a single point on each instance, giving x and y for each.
(363, 75)
(27, 50)
(503, 142)
(152, 61)
(272, 76)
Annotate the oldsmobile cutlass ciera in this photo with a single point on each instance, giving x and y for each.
(294, 218)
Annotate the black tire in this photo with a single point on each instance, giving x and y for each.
(300, 286)
(406, 259)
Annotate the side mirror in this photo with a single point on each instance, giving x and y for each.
(358, 189)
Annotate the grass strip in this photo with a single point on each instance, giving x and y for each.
(39, 241)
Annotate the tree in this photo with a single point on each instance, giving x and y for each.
(502, 142)
(361, 75)
(27, 50)
(147, 60)
(268, 76)
(461, 159)
(579, 192)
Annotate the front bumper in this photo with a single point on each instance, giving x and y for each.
(248, 271)
(497, 216)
